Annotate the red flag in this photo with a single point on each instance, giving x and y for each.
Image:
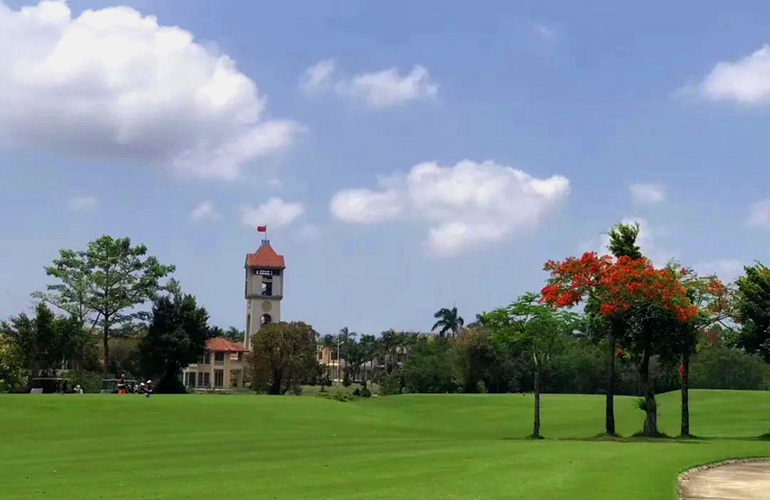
(262, 229)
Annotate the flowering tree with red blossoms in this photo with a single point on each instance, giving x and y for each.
(627, 288)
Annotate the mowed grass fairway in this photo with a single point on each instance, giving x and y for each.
(411, 446)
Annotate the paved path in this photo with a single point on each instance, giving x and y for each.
(736, 481)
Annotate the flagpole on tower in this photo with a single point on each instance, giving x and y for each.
(263, 229)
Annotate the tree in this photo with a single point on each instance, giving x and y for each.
(102, 285)
(284, 355)
(622, 244)
(448, 321)
(540, 331)
(176, 338)
(631, 290)
(711, 298)
(752, 310)
(44, 342)
(234, 334)
(367, 346)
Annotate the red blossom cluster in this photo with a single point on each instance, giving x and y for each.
(618, 284)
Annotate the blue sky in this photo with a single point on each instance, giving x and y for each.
(439, 154)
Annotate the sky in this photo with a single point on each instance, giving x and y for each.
(405, 156)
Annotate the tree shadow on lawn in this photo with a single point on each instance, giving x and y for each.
(638, 438)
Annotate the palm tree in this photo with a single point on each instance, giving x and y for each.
(368, 345)
(448, 321)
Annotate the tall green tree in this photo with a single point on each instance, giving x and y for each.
(622, 243)
(448, 322)
(284, 355)
(176, 337)
(368, 348)
(752, 310)
(540, 331)
(44, 342)
(102, 285)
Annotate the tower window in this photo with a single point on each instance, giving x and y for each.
(267, 288)
(265, 319)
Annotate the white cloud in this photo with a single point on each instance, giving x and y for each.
(759, 215)
(114, 84)
(318, 76)
(82, 204)
(366, 206)
(466, 205)
(274, 212)
(204, 211)
(745, 81)
(648, 193)
(544, 32)
(275, 183)
(377, 89)
(726, 269)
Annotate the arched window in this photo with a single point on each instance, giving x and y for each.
(265, 319)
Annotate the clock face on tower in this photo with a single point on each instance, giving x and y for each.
(266, 306)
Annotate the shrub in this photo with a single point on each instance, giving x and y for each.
(90, 382)
(723, 368)
(391, 384)
(430, 368)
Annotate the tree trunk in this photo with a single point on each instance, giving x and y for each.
(685, 430)
(536, 427)
(609, 411)
(650, 406)
(105, 339)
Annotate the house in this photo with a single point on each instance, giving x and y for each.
(222, 367)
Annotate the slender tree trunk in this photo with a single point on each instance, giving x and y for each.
(536, 427)
(106, 344)
(650, 406)
(609, 411)
(685, 430)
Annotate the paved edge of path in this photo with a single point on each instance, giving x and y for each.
(687, 474)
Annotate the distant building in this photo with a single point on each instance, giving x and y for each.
(264, 289)
(224, 366)
(221, 367)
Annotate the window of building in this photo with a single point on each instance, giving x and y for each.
(265, 319)
(267, 288)
(219, 358)
(204, 379)
(205, 359)
(219, 378)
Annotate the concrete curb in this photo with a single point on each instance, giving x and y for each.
(684, 475)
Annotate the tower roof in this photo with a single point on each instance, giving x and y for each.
(265, 256)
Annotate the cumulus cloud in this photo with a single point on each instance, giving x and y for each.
(82, 204)
(744, 81)
(114, 84)
(203, 211)
(318, 76)
(378, 89)
(366, 206)
(466, 205)
(648, 193)
(274, 212)
(759, 214)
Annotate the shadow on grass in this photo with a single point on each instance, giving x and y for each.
(640, 438)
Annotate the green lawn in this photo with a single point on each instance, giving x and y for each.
(412, 446)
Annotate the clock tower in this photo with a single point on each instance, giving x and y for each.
(264, 289)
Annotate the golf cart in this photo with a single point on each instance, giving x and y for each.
(49, 385)
(110, 385)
